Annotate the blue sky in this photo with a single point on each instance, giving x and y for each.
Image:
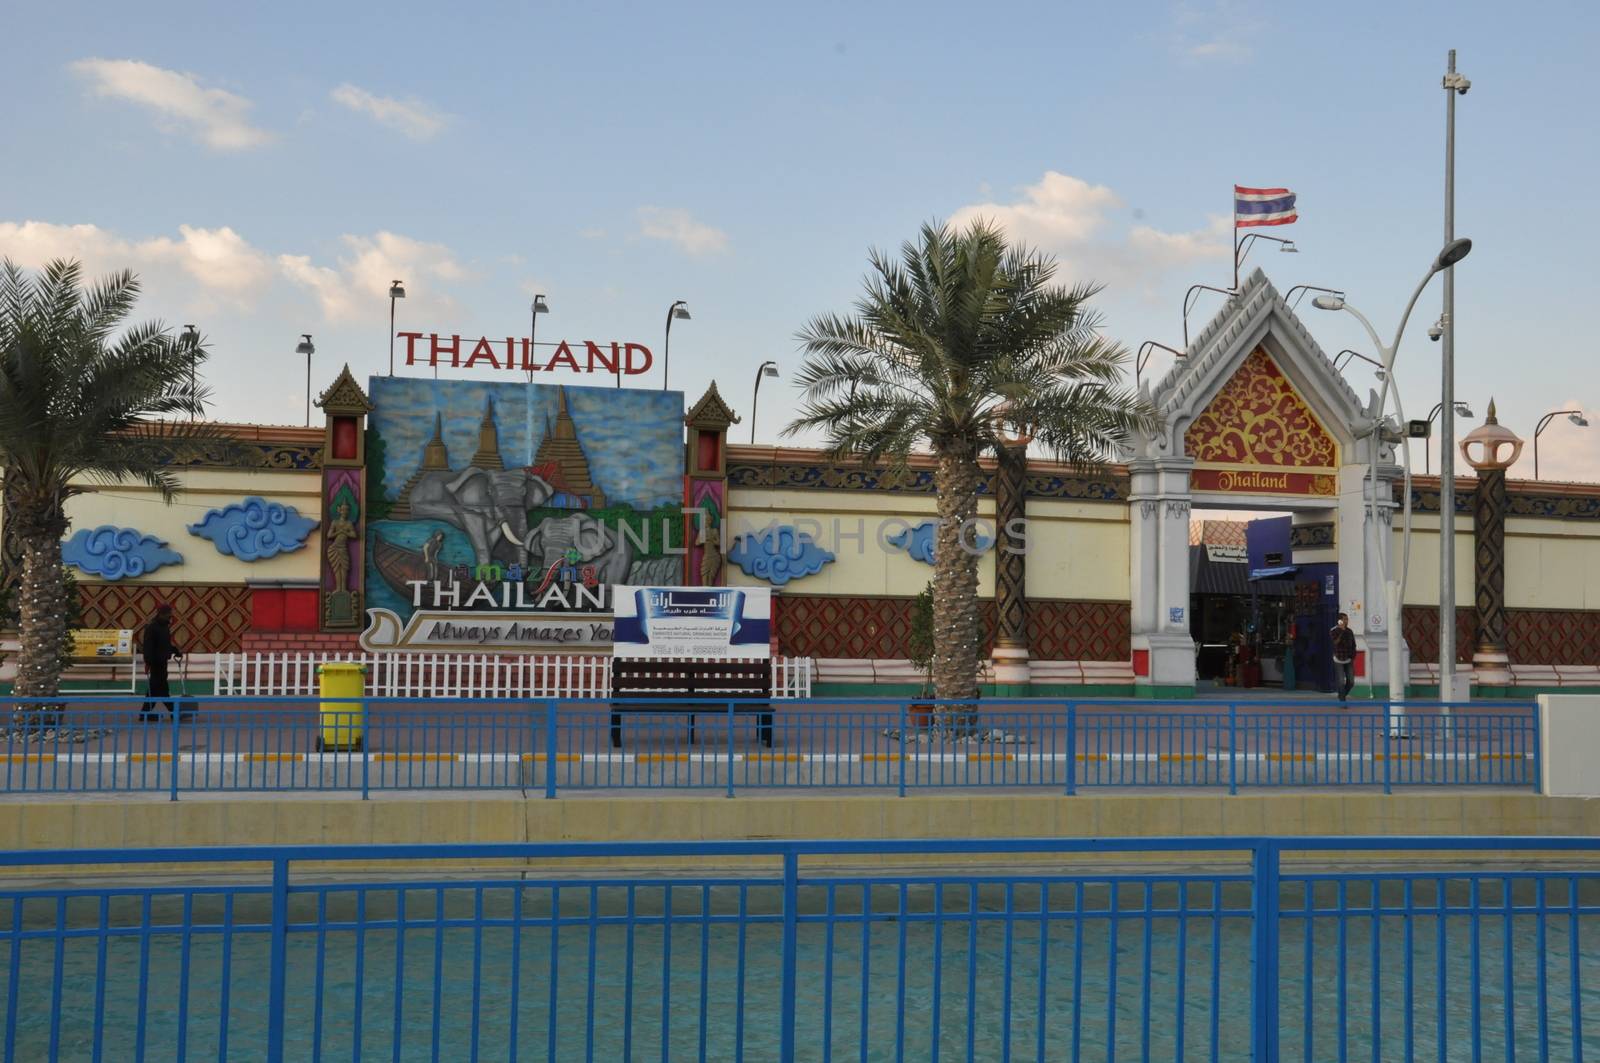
(269, 169)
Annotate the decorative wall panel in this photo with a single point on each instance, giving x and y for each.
(1533, 636)
(205, 619)
(829, 626)
(1110, 486)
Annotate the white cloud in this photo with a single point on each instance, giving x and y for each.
(411, 117)
(1057, 212)
(220, 261)
(678, 226)
(356, 287)
(1211, 33)
(220, 118)
(1076, 221)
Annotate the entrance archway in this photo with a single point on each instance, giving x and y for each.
(1255, 417)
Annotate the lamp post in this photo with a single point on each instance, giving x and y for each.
(681, 312)
(1394, 589)
(1188, 304)
(1454, 85)
(1378, 372)
(539, 306)
(307, 348)
(397, 291)
(1142, 358)
(1575, 416)
(1243, 249)
(1012, 671)
(1293, 299)
(1462, 410)
(1490, 449)
(767, 369)
(191, 339)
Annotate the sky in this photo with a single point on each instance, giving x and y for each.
(267, 170)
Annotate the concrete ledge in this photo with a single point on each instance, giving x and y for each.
(122, 822)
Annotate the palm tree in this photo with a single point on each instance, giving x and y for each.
(959, 342)
(76, 402)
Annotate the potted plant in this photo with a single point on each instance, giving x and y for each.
(919, 650)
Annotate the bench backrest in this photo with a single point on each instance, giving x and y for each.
(664, 677)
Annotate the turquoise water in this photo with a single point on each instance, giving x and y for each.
(688, 966)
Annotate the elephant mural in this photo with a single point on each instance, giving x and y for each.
(478, 502)
(610, 552)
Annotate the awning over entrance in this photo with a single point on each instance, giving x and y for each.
(1230, 577)
(1259, 574)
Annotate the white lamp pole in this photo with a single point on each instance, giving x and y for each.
(1394, 589)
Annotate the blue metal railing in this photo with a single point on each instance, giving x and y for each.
(82, 745)
(1227, 949)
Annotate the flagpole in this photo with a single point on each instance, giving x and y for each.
(1233, 212)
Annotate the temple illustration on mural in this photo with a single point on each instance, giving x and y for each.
(596, 505)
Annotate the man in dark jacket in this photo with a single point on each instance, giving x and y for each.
(158, 649)
(1344, 657)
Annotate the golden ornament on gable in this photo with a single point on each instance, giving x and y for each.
(1258, 419)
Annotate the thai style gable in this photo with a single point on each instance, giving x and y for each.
(1256, 361)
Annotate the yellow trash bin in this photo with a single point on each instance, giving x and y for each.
(341, 721)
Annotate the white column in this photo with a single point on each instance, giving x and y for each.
(1159, 576)
(1366, 556)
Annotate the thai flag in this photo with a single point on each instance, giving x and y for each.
(1262, 206)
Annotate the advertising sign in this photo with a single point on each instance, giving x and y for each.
(715, 622)
(102, 643)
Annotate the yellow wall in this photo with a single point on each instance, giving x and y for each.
(1076, 550)
(1550, 564)
(136, 506)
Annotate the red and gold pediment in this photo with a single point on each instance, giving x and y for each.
(1255, 431)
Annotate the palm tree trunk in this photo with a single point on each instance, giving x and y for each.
(43, 610)
(956, 627)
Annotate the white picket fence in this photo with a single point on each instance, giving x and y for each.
(455, 675)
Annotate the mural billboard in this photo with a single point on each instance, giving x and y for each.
(520, 504)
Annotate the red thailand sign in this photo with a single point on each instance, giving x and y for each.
(519, 355)
(1263, 481)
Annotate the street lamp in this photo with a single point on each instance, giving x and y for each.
(1378, 372)
(1394, 589)
(307, 348)
(1462, 410)
(1454, 85)
(191, 338)
(767, 369)
(538, 307)
(1142, 357)
(681, 312)
(397, 291)
(1285, 246)
(1575, 416)
(1188, 304)
(1294, 300)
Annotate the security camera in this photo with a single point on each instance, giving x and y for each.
(1434, 332)
(1457, 82)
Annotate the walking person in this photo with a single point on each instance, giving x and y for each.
(1344, 657)
(158, 648)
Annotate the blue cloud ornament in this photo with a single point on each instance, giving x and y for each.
(779, 555)
(254, 529)
(114, 553)
(918, 540)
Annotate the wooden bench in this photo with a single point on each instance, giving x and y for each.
(691, 686)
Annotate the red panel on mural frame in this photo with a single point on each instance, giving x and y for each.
(1361, 660)
(1141, 662)
(266, 609)
(707, 451)
(300, 610)
(344, 438)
